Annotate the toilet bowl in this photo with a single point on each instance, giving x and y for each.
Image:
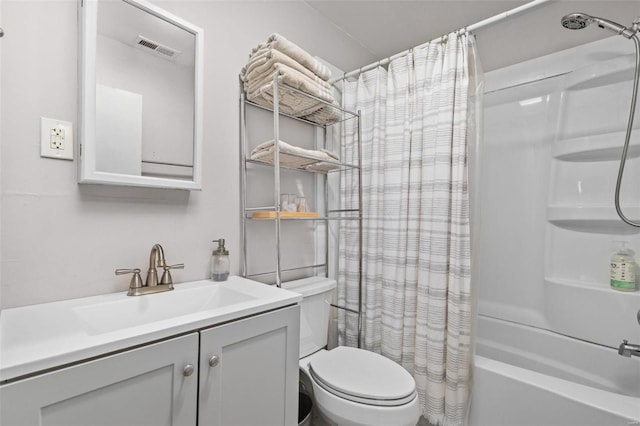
(356, 387)
(351, 387)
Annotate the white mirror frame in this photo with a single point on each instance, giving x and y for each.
(86, 149)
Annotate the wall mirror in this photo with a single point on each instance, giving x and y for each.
(140, 96)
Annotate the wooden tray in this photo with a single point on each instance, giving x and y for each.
(272, 215)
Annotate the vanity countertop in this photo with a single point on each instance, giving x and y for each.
(39, 337)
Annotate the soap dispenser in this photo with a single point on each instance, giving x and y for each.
(623, 269)
(220, 262)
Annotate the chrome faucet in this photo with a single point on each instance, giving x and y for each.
(628, 349)
(151, 285)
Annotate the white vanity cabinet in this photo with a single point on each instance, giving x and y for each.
(150, 385)
(252, 381)
(249, 371)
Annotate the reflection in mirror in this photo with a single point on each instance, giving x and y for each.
(145, 128)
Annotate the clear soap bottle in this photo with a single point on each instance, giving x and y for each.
(220, 262)
(623, 268)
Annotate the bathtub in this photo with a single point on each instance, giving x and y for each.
(525, 376)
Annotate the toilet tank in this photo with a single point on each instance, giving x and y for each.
(317, 294)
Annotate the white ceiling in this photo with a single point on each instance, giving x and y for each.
(386, 27)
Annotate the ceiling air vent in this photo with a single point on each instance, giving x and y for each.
(157, 48)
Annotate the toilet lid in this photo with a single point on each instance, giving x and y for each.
(362, 376)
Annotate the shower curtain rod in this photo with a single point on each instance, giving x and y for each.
(471, 28)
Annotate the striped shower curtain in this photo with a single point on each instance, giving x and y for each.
(417, 123)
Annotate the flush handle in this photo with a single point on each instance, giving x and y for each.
(214, 361)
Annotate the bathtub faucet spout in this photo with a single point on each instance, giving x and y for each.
(628, 349)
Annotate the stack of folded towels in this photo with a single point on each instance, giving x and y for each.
(296, 68)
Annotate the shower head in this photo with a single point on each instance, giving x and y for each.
(577, 21)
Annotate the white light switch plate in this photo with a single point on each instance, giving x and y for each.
(56, 139)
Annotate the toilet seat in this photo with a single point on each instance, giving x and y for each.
(363, 377)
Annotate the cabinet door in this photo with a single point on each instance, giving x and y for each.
(254, 379)
(144, 386)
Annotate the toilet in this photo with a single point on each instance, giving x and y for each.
(350, 386)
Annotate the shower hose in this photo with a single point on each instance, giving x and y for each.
(627, 139)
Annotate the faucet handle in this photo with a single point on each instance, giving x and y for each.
(166, 275)
(176, 266)
(136, 280)
(127, 271)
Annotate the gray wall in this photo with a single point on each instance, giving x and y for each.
(62, 240)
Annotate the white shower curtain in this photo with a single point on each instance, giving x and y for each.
(416, 238)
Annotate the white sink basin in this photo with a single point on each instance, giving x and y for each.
(38, 337)
(135, 311)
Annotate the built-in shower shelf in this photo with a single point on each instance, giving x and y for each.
(602, 74)
(593, 219)
(602, 147)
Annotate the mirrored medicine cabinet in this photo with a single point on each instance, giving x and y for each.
(140, 93)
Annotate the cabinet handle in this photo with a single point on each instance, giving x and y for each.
(214, 360)
(188, 370)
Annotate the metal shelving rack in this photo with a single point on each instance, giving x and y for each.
(329, 214)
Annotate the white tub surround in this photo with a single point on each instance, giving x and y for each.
(40, 337)
(548, 230)
(550, 324)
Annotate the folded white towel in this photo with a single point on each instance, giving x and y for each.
(291, 103)
(286, 160)
(322, 166)
(262, 67)
(331, 154)
(293, 156)
(291, 77)
(324, 115)
(278, 42)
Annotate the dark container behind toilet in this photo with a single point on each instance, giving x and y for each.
(304, 405)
